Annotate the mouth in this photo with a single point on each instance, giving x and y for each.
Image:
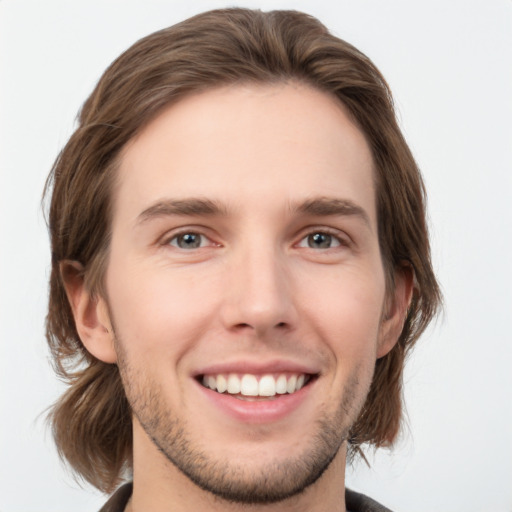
(251, 387)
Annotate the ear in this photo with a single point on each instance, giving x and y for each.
(396, 307)
(91, 313)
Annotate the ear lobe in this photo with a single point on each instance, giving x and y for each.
(91, 314)
(396, 310)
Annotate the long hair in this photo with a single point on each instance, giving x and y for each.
(92, 420)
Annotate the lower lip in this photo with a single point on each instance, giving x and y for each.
(258, 411)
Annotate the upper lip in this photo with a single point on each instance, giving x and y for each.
(257, 367)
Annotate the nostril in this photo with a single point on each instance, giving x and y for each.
(243, 326)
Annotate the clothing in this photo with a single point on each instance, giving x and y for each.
(355, 502)
(118, 500)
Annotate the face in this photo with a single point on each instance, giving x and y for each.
(245, 287)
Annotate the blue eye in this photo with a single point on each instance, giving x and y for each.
(188, 241)
(320, 240)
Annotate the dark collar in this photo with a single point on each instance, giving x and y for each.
(119, 499)
(355, 502)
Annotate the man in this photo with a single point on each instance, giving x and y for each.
(240, 263)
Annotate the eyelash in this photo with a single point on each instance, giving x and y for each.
(176, 236)
(333, 236)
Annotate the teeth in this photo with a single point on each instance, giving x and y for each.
(252, 385)
(234, 386)
(267, 386)
(291, 384)
(222, 384)
(249, 385)
(281, 385)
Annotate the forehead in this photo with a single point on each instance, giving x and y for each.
(245, 144)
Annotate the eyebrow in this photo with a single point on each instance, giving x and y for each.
(192, 206)
(319, 207)
(330, 206)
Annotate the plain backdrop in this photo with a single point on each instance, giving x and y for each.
(449, 64)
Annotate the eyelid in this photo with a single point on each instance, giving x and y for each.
(176, 238)
(343, 238)
(165, 240)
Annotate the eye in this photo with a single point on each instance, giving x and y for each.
(189, 240)
(320, 240)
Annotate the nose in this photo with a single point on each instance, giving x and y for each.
(259, 293)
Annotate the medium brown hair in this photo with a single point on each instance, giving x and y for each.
(92, 420)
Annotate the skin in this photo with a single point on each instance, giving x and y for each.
(257, 289)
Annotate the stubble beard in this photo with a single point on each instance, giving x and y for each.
(274, 481)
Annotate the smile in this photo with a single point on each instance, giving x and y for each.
(250, 385)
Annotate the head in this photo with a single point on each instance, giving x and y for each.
(222, 55)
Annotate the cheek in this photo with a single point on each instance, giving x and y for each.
(346, 309)
(159, 313)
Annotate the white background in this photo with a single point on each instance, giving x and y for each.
(449, 64)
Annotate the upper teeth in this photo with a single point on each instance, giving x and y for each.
(252, 385)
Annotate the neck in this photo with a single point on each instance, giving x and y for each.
(160, 487)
